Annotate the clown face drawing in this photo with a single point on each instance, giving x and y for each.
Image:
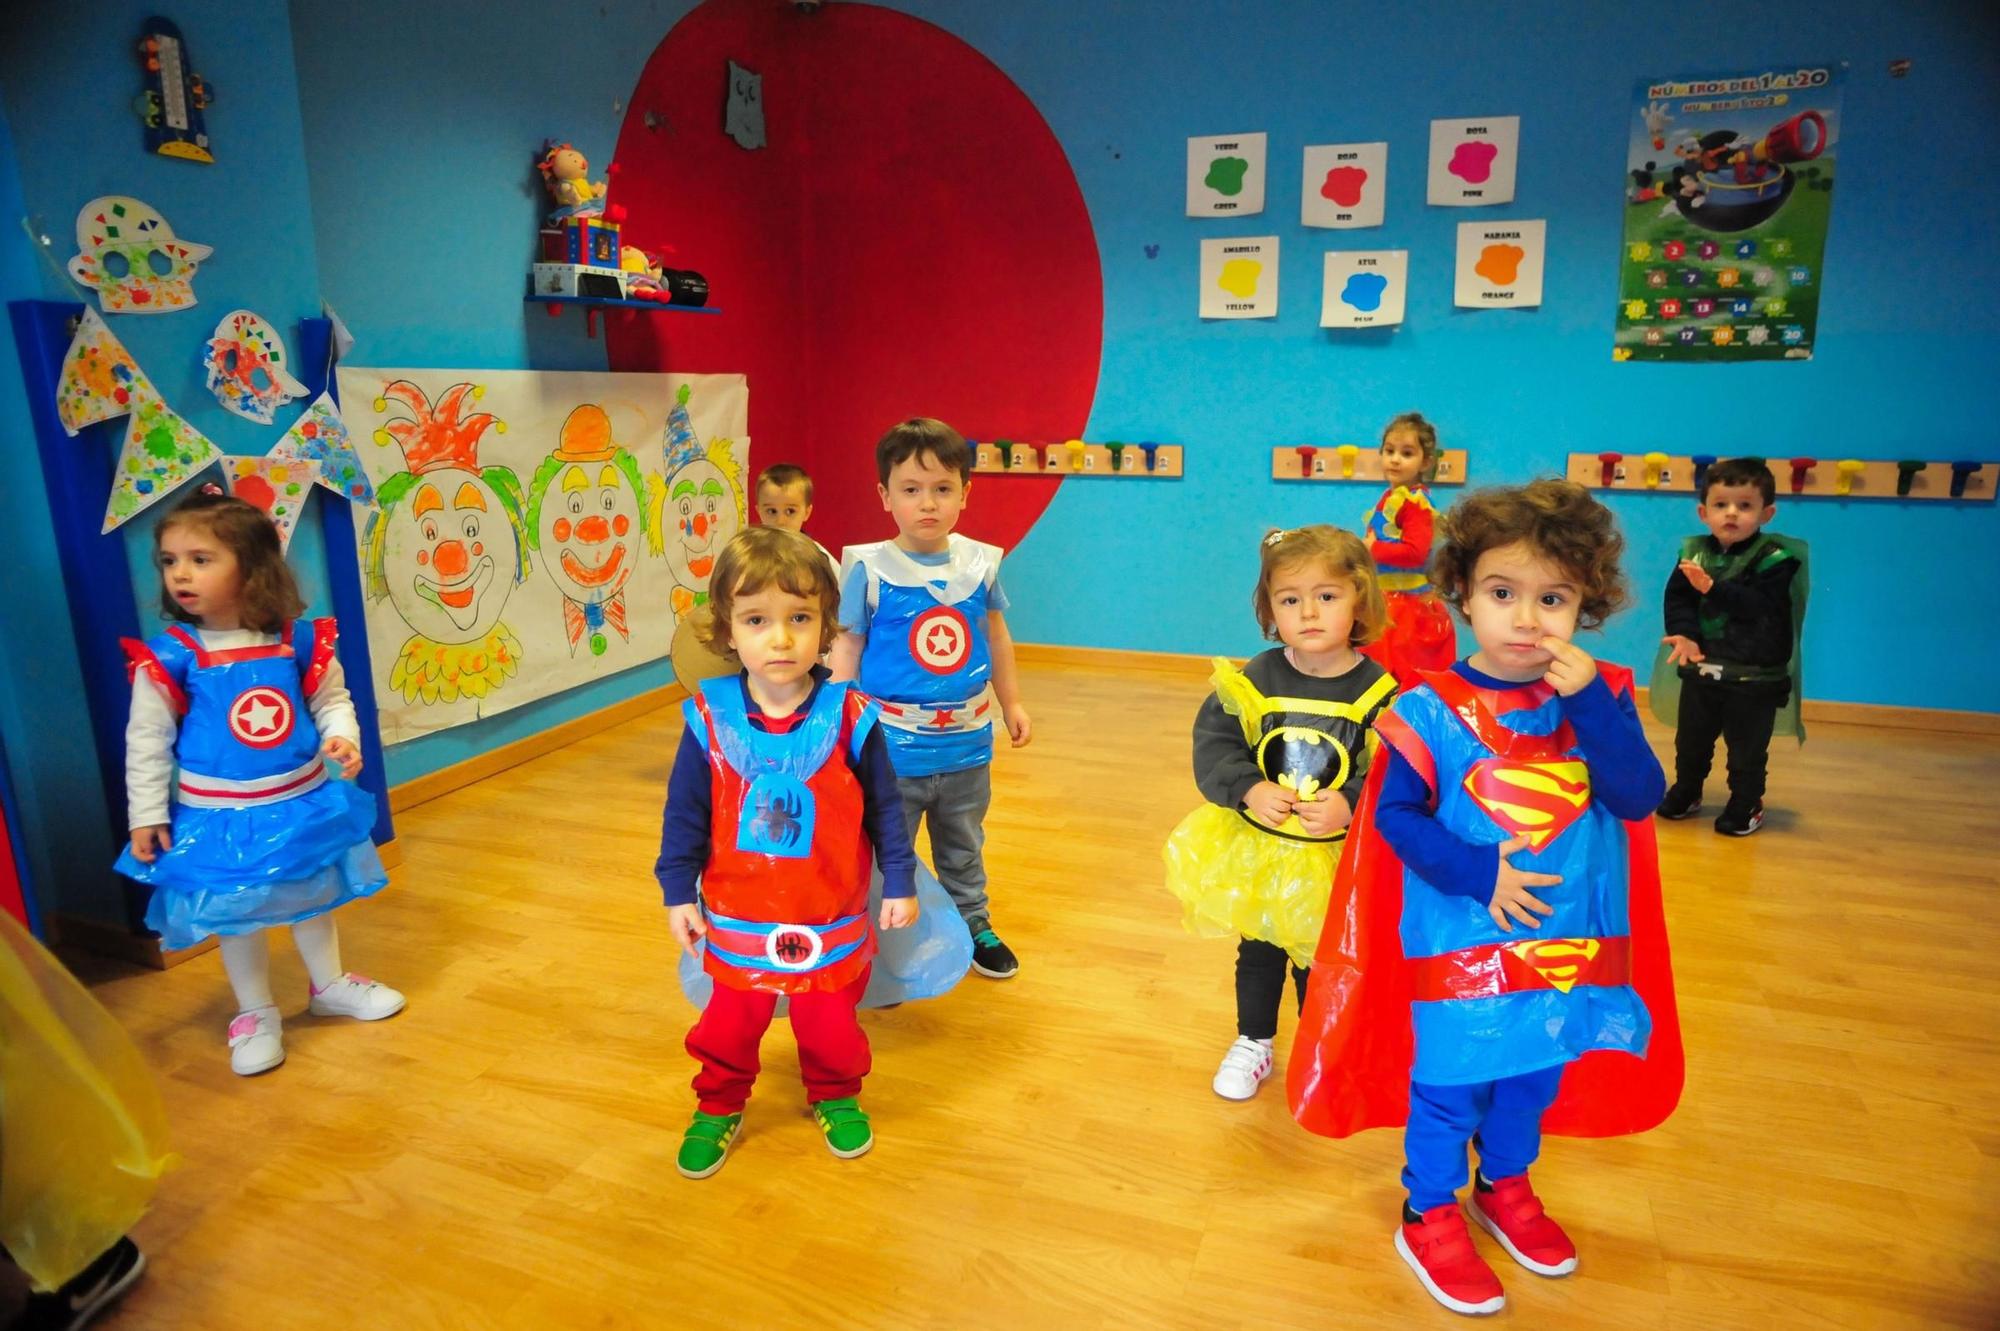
(446, 547)
(703, 505)
(586, 518)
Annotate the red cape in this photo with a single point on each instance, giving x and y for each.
(1350, 1065)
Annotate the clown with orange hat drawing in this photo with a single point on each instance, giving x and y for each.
(446, 546)
(586, 516)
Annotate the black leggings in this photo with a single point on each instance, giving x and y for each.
(1260, 987)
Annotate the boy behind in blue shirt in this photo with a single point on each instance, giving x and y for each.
(923, 629)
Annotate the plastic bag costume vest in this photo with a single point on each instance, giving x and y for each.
(926, 657)
(1411, 983)
(262, 835)
(786, 888)
(1237, 875)
(1664, 697)
(1419, 635)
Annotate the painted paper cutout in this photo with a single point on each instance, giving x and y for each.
(1225, 175)
(1239, 278)
(743, 112)
(1499, 264)
(587, 515)
(246, 363)
(278, 485)
(99, 379)
(1364, 288)
(1472, 161)
(1345, 184)
(422, 563)
(129, 254)
(320, 436)
(162, 453)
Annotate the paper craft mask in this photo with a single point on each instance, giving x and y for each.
(245, 360)
(129, 253)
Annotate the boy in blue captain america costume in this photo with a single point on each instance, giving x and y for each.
(923, 629)
(1495, 939)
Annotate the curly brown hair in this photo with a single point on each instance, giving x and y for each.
(760, 557)
(269, 598)
(1342, 554)
(1558, 520)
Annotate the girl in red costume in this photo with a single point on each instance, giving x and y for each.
(1399, 528)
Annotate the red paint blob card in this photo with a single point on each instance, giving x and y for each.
(1345, 184)
(1472, 161)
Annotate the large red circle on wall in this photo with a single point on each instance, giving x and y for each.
(910, 241)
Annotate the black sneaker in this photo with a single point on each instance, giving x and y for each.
(90, 1293)
(1680, 803)
(1740, 817)
(993, 958)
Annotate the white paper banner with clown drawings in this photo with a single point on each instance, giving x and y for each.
(535, 530)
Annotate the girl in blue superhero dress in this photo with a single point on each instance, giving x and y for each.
(1494, 962)
(236, 823)
(1279, 754)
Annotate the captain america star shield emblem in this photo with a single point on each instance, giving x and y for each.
(261, 717)
(939, 640)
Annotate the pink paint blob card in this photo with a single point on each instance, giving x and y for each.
(1472, 161)
(1345, 184)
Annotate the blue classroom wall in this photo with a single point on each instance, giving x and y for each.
(421, 129)
(42, 715)
(393, 178)
(68, 76)
(1908, 334)
(449, 111)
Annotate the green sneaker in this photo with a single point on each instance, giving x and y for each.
(705, 1145)
(845, 1127)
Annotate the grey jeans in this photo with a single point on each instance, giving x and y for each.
(956, 804)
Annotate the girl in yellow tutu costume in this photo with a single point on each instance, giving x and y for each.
(1280, 750)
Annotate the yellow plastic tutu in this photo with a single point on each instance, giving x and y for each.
(1233, 879)
(84, 1135)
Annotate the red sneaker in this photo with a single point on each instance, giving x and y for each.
(1439, 1249)
(1513, 1214)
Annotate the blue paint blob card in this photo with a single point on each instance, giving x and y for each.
(1364, 288)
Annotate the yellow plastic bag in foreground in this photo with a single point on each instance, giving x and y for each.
(83, 1137)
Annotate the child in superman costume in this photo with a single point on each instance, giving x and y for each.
(1494, 963)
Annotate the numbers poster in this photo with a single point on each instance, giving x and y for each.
(1728, 191)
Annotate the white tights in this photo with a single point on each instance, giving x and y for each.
(246, 958)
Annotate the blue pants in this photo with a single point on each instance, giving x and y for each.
(956, 804)
(1504, 1117)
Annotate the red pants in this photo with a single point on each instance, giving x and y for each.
(833, 1051)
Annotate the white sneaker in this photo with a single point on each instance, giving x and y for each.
(1243, 1068)
(256, 1041)
(356, 996)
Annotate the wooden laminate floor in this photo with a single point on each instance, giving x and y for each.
(1049, 1153)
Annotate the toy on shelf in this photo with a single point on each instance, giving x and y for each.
(1854, 478)
(566, 174)
(584, 259)
(175, 96)
(1076, 457)
(1310, 462)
